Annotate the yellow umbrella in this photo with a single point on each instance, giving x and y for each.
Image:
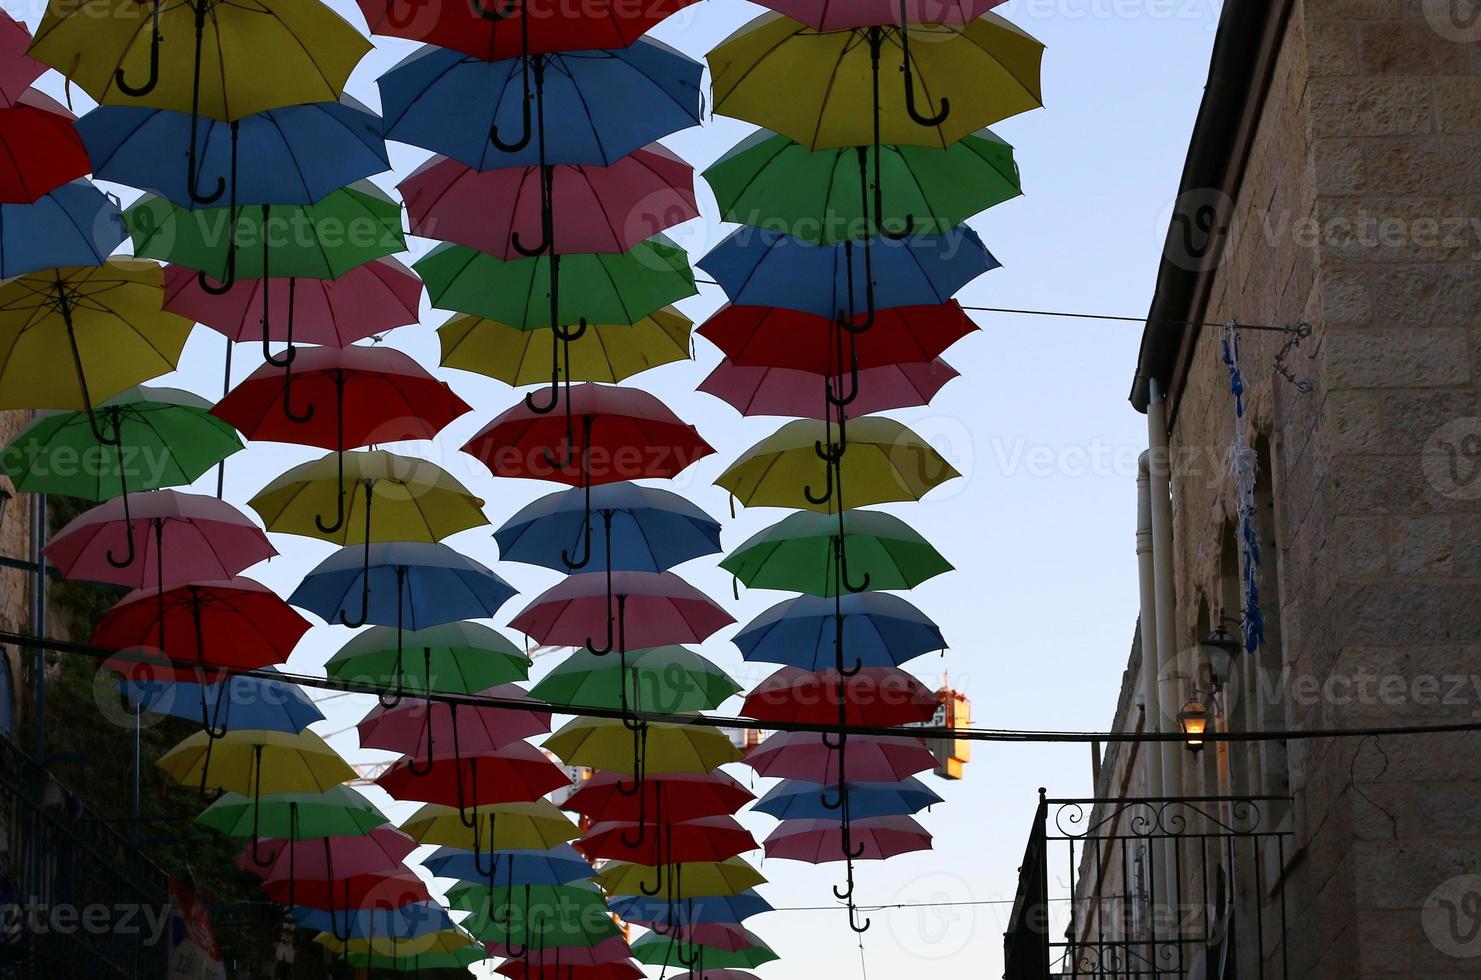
(608, 352)
(389, 498)
(76, 336)
(446, 941)
(818, 86)
(538, 825)
(605, 743)
(884, 462)
(254, 763)
(701, 878)
(252, 55)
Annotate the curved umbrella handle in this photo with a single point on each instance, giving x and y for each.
(511, 949)
(296, 417)
(526, 131)
(640, 765)
(510, 7)
(230, 279)
(478, 848)
(155, 37)
(360, 620)
(573, 564)
(661, 871)
(571, 335)
(290, 352)
(610, 643)
(419, 770)
(844, 320)
(555, 397)
(827, 494)
(339, 517)
(133, 551)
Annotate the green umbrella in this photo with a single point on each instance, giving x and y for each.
(459, 658)
(338, 812)
(827, 196)
(577, 919)
(657, 950)
(352, 226)
(618, 288)
(798, 554)
(164, 438)
(474, 897)
(459, 959)
(667, 679)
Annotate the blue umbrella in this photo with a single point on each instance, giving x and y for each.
(237, 704)
(76, 224)
(643, 529)
(879, 630)
(407, 922)
(761, 267)
(798, 799)
(293, 155)
(709, 910)
(608, 103)
(413, 585)
(560, 865)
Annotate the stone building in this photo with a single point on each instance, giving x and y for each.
(1333, 179)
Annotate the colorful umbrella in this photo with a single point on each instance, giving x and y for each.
(382, 849)
(662, 950)
(547, 955)
(416, 727)
(872, 758)
(609, 352)
(74, 225)
(821, 841)
(42, 151)
(686, 796)
(457, 657)
(453, 960)
(799, 554)
(546, 966)
(432, 944)
(793, 799)
(651, 609)
(691, 910)
(536, 825)
(795, 393)
(17, 69)
(556, 866)
(667, 679)
(257, 764)
(516, 773)
(879, 630)
(291, 817)
(669, 748)
(403, 922)
(241, 703)
(494, 29)
(704, 839)
(769, 336)
(349, 891)
(868, 696)
(701, 878)
(831, 15)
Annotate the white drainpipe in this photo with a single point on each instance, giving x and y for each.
(1151, 700)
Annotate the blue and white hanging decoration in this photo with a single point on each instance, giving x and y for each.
(1244, 465)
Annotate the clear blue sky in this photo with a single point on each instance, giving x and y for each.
(1041, 608)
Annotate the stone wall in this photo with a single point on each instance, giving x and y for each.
(15, 542)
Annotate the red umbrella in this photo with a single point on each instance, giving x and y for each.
(652, 609)
(626, 434)
(804, 755)
(822, 841)
(383, 849)
(368, 300)
(602, 209)
(371, 890)
(764, 336)
(417, 727)
(543, 965)
(871, 696)
(705, 839)
(716, 935)
(494, 30)
(516, 773)
(17, 70)
(793, 393)
(39, 152)
(186, 538)
(612, 950)
(685, 796)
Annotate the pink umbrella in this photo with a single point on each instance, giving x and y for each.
(652, 609)
(838, 15)
(822, 841)
(416, 727)
(367, 300)
(871, 696)
(801, 394)
(613, 950)
(594, 209)
(718, 974)
(516, 773)
(381, 850)
(16, 69)
(705, 839)
(804, 755)
(718, 935)
(186, 538)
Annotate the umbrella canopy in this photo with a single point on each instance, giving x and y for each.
(770, 336)
(547, 963)
(454, 960)
(602, 743)
(799, 554)
(408, 584)
(594, 209)
(42, 151)
(619, 287)
(402, 922)
(691, 910)
(609, 103)
(526, 27)
(661, 950)
(873, 696)
(871, 758)
(650, 530)
(536, 825)
(609, 352)
(700, 878)
(549, 955)
(879, 630)
(682, 841)
(885, 462)
(73, 225)
(682, 796)
(709, 974)
(796, 799)
(336, 812)
(105, 320)
(660, 609)
(165, 438)
(460, 658)
(371, 889)
(667, 679)
(173, 539)
(578, 918)
(254, 55)
(815, 87)
(409, 727)
(383, 849)
(794, 393)
(490, 899)
(430, 945)
(821, 841)
(557, 866)
(831, 15)
(763, 267)
(824, 196)
(253, 763)
(366, 300)
(515, 773)
(17, 69)
(298, 153)
(235, 703)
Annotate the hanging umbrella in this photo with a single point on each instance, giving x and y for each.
(879, 630)
(17, 69)
(381, 849)
(871, 758)
(536, 825)
(291, 818)
(693, 910)
(609, 103)
(514, 773)
(508, 28)
(662, 950)
(670, 748)
(523, 969)
(74, 225)
(708, 974)
(160, 438)
(769, 336)
(818, 87)
(485, 899)
(252, 763)
(556, 866)
(821, 841)
(550, 953)
(403, 922)
(703, 839)
(41, 152)
(686, 796)
(652, 609)
(667, 679)
(243, 703)
(581, 921)
(602, 209)
(460, 658)
(799, 554)
(794, 799)
(453, 960)
(652, 530)
(349, 891)
(103, 320)
(432, 944)
(701, 878)
(608, 352)
(170, 539)
(367, 300)
(870, 696)
(831, 15)
(414, 728)
(794, 393)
